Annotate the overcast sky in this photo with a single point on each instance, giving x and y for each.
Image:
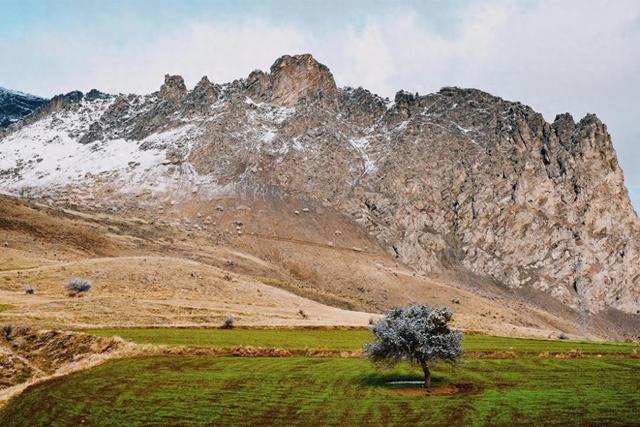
(556, 56)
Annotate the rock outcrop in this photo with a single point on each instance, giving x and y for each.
(291, 79)
(203, 95)
(173, 91)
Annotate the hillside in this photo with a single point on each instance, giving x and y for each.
(149, 274)
(362, 202)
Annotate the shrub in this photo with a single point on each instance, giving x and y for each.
(76, 286)
(7, 332)
(29, 290)
(228, 322)
(302, 314)
(562, 336)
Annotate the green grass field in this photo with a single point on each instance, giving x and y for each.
(336, 339)
(206, 390)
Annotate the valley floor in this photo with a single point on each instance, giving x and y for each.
(161, 287)
(502, 381)
(341, 339)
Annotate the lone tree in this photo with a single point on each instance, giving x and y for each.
(418, 334)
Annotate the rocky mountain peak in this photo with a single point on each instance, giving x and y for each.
(404, 101)
(292, 78)
(563, 126)
(61, 102)
(95, 94)
(173, 90)
(204, 86)
(298, 76)
(203, 95)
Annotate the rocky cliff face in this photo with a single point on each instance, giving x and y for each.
(16, 105)
(459, 182)
(292, 79)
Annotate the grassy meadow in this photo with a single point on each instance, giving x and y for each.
(528, 387)
(207, 390)
(338, 339)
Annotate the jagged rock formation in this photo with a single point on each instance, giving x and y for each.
(458, 182)
(16, 105)
(291, 79)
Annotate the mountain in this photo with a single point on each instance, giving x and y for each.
(460, 185)
(16, 105)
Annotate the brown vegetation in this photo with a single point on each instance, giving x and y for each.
(146, 273)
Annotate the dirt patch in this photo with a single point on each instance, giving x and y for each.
(493, 354)
(49, 350)
(571, 354)
(27, 354)
(435, 391)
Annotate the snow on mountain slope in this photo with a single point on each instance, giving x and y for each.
(48, 155)
(6, 93)
(15, 105)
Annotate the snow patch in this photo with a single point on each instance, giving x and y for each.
(361, 145)
(47, 154)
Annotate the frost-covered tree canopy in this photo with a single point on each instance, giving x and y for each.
(418, 334)
(78, 285)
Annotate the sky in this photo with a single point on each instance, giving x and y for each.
(556, 56)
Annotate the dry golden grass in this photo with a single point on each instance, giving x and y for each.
(146, 272)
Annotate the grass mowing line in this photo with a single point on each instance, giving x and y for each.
(340, 340)
(191, 390)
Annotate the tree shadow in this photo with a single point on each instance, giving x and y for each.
(400, 380)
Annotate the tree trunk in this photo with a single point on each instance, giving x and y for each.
(427, 374)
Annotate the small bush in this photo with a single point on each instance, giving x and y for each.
(7, 332)
(228, 322)
(29, 290)
(571, 354)
(302, 314)
(77, 286)
(372, 321)
(563, 337)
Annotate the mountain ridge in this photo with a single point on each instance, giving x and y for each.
(459, 183)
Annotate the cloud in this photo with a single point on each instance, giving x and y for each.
(575, 56)
(223, 51)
